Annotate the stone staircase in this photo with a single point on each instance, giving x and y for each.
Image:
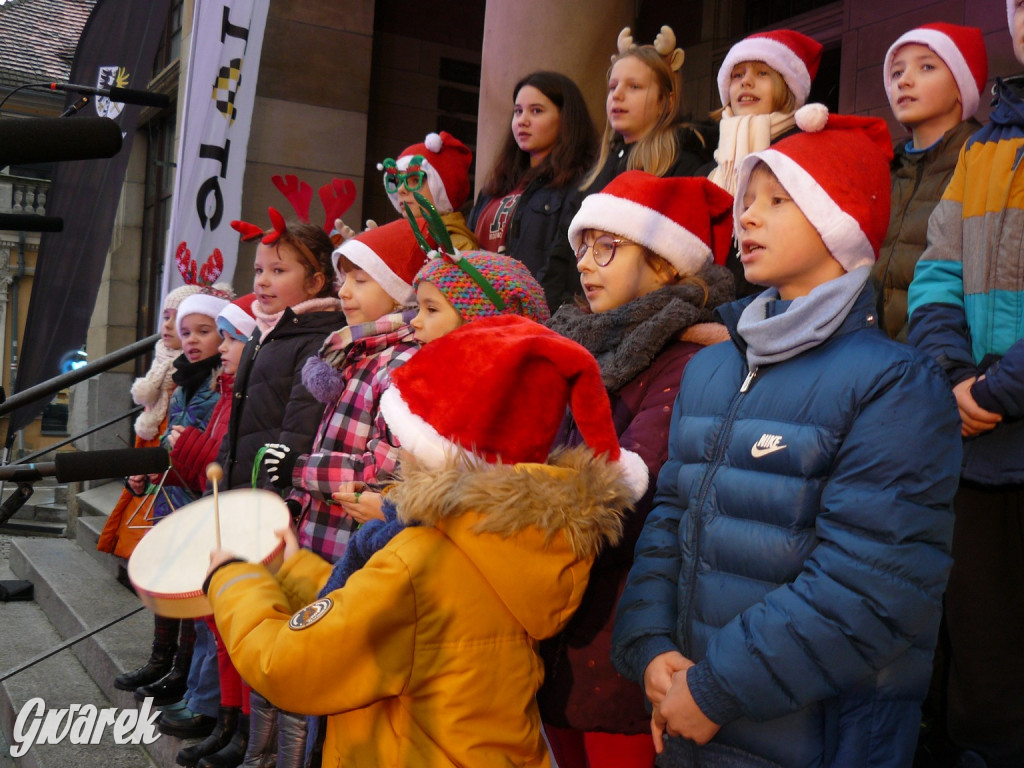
(76, 590)
(45, 512)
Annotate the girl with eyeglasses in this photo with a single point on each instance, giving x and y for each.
(646, 252)
(531, 194)
(438, 170)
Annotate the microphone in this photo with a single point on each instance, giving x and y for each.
(24, 222)
(53, 139)
(74, 108)
(72, 466)
(123, 95)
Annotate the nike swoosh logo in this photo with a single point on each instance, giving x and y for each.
(757, 453)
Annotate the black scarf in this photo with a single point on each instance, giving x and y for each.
(191, 376)
(625, 340)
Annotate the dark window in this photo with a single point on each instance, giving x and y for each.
(763, 13)
(170, 43)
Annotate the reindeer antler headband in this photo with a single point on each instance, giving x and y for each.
(336, 197)
(445, 249)
(664, 44)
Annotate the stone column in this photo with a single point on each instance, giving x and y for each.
(574, 37)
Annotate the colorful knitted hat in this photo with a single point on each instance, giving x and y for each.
(510, 279)
(685, 220)
(794, 56)
(209, 302)
(390, 254)
(236, 319)
(837, 172)
(446, 161)
(515, 380)
(962, 49)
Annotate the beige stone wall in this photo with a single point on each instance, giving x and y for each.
(576, 38)
(310, 116)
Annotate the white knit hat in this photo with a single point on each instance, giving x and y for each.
(208, 301)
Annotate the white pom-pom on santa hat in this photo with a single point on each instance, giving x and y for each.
(434, 142)
(811, 117)
(518, 379)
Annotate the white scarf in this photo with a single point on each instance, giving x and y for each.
(742, 136)
(153, 391)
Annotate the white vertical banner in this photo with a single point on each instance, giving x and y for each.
(220, 91)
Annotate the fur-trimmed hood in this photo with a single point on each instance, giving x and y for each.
(549, 520)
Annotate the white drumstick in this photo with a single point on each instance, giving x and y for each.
(215, 473)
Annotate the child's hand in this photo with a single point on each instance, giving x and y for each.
(174, 434)
(291, 543)
(658, 675)
(975, 418)
(359, 504)
(679, 715)
(138, 483)
(217, 558)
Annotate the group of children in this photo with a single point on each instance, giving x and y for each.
(533, 531)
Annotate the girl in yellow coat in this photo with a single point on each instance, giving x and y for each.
(427, 656)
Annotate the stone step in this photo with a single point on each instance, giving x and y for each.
(77, 593)
(61, 681)
(87, 534)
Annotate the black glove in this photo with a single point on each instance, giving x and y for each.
(279, 461)
(294, 509)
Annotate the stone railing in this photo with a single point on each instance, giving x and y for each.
(19, 194)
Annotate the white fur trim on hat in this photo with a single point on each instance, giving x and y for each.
(951, 55)
(367, 260)
(840, 231)
(434, 181)
(643, 225)
(416, 436)
(779, 57)
(238, 320)
(200, 304)
(1011, 7)
(434, 451)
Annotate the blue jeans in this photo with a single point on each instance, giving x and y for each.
(203, 694)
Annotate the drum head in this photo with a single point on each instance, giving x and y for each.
(169, 565)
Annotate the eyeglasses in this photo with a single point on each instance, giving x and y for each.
(412, 178)
(603, 249)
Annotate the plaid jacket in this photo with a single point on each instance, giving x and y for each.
(353, 441)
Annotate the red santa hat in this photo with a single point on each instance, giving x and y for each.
(446, 161)
(793, 55)
(837, 172)
(516, 379)
(685, 220)
(236, 319)
(390, 254)
(962, 49)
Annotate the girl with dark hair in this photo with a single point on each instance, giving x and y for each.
(525, 207)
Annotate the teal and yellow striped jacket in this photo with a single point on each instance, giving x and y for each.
(966, 301)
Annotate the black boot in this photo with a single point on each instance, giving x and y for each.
(232, 755)
(167, 690)
(159, 664)
(227, 723)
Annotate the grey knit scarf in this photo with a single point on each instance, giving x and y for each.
(806, 323)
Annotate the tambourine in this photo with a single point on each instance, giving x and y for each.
(170, 563)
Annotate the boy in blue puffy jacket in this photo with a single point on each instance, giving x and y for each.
(967, 311)
(785, 597)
